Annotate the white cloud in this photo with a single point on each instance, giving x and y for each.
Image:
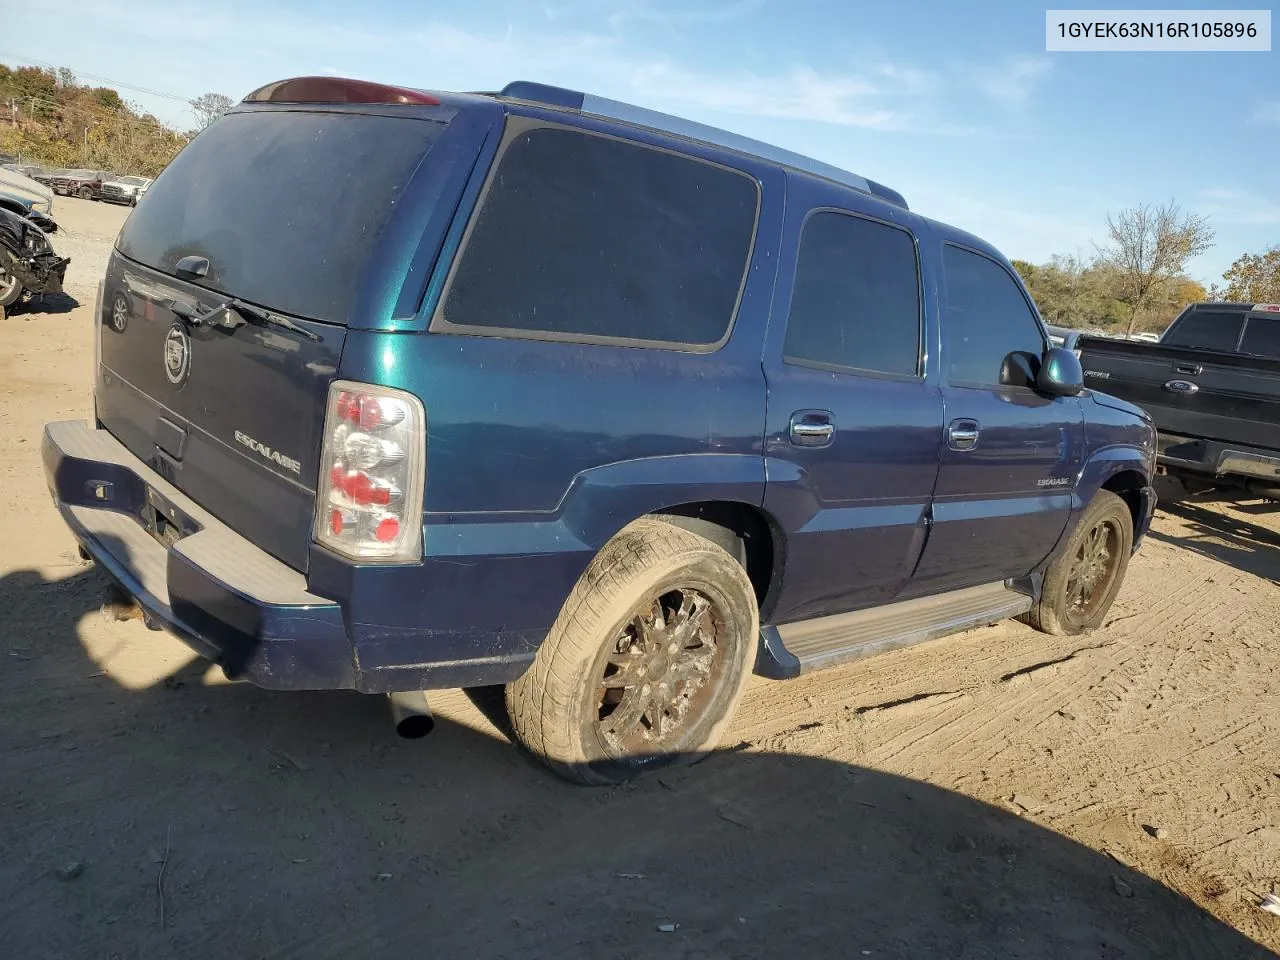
(1268, 112)
(678, 15)
(800, 94)
(1237, 207)
(1013, 81)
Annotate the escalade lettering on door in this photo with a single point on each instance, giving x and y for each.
(290, 464)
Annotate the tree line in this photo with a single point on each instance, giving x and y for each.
(48, 119)
(1136, 281)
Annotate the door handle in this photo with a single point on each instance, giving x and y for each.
(962, 434)
(1190, 369)
(811, 428)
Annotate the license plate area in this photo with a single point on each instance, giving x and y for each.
(164, 521)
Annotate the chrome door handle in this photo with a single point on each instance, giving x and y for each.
(811, 428)
(962, 434)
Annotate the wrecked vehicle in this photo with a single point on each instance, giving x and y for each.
(28, 263)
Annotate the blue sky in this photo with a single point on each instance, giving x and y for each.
(956, 105)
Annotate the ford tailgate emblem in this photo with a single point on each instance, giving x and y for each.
(1181, 386)
(177, 355)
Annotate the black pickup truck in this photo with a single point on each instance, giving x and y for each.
(1212, 385)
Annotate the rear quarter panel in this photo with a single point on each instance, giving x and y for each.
(538, 452)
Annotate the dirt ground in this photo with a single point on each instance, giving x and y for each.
(998, 794)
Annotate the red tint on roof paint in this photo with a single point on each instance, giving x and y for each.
(337, 90)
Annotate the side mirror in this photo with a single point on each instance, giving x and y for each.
(1060, 373)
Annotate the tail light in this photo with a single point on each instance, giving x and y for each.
(372, 468)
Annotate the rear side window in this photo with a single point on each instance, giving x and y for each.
(987, 319)
(856, 302)
(1262, 336)
(1207, 329)
(287, 206)
(583, 237)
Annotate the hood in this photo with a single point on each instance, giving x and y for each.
(18, 185)
(1115, 403)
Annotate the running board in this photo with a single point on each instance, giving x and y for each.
(827, 641)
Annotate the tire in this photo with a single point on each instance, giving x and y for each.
(85, 193)
(1058, 610)
(565, 710)
(10, 288)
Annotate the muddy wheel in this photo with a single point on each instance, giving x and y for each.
(1081, 583)
(647, 661)
(10, 288)
(85, 193)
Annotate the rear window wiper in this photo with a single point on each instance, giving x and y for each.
(236, 314)
(244, 311)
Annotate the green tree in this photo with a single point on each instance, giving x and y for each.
(1149, 250)
(1254, 277)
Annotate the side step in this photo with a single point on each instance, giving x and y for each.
(827, 641)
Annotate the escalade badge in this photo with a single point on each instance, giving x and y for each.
(177, 355)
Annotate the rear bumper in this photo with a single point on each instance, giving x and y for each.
(1212, 458)
(228, 600)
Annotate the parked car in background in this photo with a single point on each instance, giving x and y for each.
(125, 189)
(767, 463)
(85, 184)
(26, 169)
(24, 195)
(1064, 337)
(1212, 384)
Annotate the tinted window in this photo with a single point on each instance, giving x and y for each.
(1207, 329)
(987, 319)
(583, 236)
(856, 301)
(286, 206)
(1262, 336)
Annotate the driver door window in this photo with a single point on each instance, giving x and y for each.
(988, 319)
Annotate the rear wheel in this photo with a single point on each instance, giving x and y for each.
(647, 661)
(1080, 585)
(85, 193)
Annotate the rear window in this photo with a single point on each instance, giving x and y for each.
(287, 207)
(856, 302)
(1207, 329)
(583, 237)
(1262, 336)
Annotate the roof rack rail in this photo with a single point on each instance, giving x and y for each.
(640, 116)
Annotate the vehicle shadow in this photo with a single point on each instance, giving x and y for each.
(45, 303)
(173, 817)
(1226, 536)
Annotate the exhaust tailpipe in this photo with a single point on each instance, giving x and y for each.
(411, 713)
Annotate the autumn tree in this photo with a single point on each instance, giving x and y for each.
(208, 107)
(1254, 277)
(1149, 250)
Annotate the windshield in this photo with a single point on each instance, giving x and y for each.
(286, 206)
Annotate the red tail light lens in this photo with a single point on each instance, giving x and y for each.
(369, 501)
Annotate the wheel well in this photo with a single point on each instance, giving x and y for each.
(1127, 485)
(758, 534)
(13, 207)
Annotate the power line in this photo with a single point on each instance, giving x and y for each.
(100, 79)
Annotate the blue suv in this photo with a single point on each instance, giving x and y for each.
(400, 390)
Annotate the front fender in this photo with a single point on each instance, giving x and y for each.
(1099, 469)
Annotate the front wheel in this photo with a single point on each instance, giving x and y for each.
(1081, 583)
(647, 661)
(10, 287)
(85, 193)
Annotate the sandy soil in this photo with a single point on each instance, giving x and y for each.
(997, 794)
